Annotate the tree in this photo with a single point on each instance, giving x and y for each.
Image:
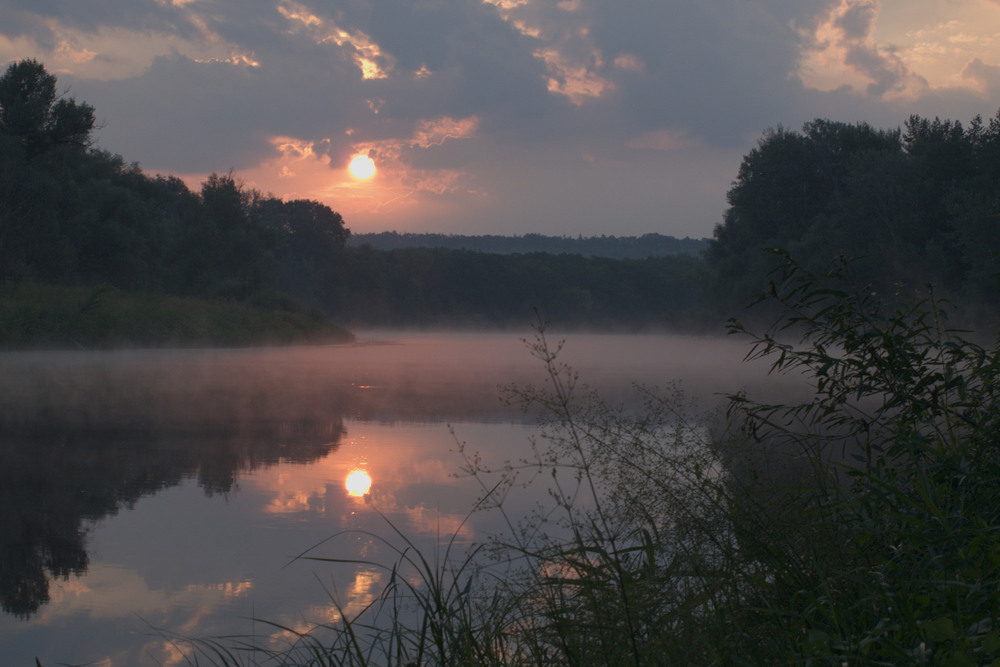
(309, 247)
(234, 243)
(304, 226)
(37, 178)
(910, 207)
(32, 112)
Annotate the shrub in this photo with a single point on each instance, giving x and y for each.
(898, 551)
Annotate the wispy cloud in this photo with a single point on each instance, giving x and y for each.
(435, 131)
(365, 52)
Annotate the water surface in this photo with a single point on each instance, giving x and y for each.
(151, 494)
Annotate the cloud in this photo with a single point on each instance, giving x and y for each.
(484, 112)
(985, 77)
(718, 73)
(115, 51)
(845, 53)
(628, 61)
(435, 131)
(855, 19)
(369, 57)
(578, 82)
(572, 62)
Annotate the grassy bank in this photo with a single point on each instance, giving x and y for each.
(36, 316)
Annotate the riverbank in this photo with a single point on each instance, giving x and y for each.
(37, 316)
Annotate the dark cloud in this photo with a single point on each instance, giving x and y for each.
(28, 17)
(986, 75)
(183, 116)
(858, 20)
(475, 63)
(585, 112)
(18, 22)
(719, 71)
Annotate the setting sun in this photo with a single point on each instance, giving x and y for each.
(362, 167)
(358, 483)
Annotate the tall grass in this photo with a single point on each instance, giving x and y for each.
(858, 526)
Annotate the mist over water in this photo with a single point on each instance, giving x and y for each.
(168, 490)
(386, 375)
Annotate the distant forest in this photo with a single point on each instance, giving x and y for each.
(613, 247)
(912, 206)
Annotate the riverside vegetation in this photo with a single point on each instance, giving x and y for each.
(856, 526)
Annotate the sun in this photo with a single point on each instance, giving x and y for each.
(362, 167)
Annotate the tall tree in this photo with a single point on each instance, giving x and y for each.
(785, 186)
(33, 113)
(236, 244)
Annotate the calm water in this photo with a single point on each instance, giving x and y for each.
(145, 495)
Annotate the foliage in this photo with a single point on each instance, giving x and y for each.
(896, 559)
(74, 215)
(32, 113)
(910, 207)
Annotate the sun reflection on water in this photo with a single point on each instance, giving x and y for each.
(358, 483)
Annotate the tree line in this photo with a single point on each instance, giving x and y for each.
(75, 214)
(426, 286)
(613, 247)
(910, 207)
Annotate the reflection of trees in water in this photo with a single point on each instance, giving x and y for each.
(60, 475)
(83, 435)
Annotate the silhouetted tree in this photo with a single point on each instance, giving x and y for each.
(309, 243)
(911, 207)
(31, 112)
(236, 245)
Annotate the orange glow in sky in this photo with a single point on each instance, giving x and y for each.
(362, 167)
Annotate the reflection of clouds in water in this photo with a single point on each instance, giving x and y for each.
(228, 589)
(105, 590)
(110, 592)
(362, 592)
(431, 521)
(285, 503)
(291, 494)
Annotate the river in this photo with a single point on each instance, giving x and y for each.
(150, 496)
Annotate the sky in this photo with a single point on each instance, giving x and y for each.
(560, 117)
